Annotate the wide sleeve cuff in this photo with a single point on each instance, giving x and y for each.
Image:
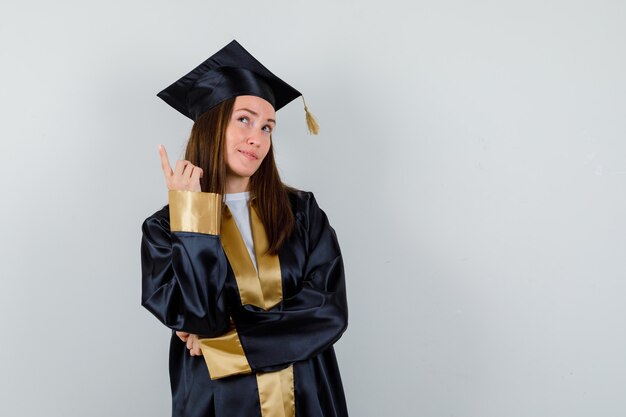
(195, 212)
(224, 355)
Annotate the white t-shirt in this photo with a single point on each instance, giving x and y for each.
(238, 205)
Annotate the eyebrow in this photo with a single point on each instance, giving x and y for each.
(255, 114)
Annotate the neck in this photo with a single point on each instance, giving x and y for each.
(236, 184)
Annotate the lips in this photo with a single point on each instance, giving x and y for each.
(248, 154)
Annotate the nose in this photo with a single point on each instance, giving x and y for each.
(254, 138)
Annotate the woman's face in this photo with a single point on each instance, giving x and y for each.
(248, 138)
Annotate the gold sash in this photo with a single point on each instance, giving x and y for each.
(224, 355)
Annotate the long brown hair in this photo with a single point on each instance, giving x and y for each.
(205, 149)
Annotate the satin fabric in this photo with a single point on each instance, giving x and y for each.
(262, 289)
(232, 71)
(189, 285)
(276, 393)
(205, 216)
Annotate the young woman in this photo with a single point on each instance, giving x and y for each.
(246, 271)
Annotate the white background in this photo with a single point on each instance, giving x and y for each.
(472, 159)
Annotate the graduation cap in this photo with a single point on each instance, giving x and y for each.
(230, 72)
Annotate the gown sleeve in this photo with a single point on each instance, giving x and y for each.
(306, 324)
(183, 265)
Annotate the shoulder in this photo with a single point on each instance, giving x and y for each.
(305, 209)
(301, 201)
(298, 196)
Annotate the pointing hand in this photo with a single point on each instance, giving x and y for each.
(184, 177)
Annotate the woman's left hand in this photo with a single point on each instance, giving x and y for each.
(192, 341)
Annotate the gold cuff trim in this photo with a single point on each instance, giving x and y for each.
(224, 355)
(195, 212)
(276, 393)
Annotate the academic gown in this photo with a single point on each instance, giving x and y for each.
(266, 337)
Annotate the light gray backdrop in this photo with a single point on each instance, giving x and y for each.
(472, 159)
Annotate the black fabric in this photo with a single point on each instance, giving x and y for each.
(189, 285)
(230, 72)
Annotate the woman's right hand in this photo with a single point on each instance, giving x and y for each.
(184, 177)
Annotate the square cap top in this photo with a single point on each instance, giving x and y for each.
(230, 72)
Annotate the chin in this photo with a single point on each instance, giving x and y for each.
(244, 173)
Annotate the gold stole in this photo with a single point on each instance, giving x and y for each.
(224, 354)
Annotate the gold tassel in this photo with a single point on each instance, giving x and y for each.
(311, 123)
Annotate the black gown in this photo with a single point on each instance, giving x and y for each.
(266, 338)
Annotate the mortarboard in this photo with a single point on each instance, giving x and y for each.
(230, 72)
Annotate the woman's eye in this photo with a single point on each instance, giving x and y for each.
(244, 119)
(267, 128)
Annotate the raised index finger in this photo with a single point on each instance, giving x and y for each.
(165, 162)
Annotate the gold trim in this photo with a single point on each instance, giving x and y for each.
(276, 393)
(195, 212)
(270, 277)
(224, 355)
(246, 275)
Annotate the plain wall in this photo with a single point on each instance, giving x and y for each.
(472, 159)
